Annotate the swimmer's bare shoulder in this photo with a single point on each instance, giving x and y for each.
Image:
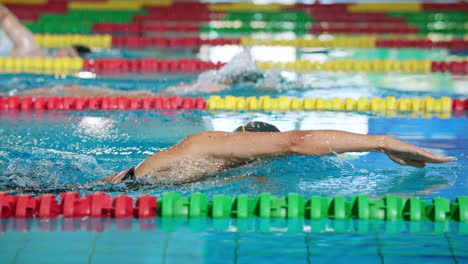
(183, 160)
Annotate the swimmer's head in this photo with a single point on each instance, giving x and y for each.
(73, 51)
(81, 50)
(240, 69)
(257, 127)
(251, 76)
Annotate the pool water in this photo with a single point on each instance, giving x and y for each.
(47, 151)
(124, 242)
(57, 151)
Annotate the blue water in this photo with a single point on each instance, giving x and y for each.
(56, 151)
(325, 85)
(259, 241)
(47, 151)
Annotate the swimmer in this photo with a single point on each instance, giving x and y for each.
(205, 153)
(241, 69)
(17, 41)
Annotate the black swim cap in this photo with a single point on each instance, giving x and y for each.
(257, 127)
(81, 50)
(252, 76)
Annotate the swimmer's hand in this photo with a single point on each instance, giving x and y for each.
(407, 154)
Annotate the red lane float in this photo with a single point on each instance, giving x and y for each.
(98, 204)
(32, 12)
(148, 65)
(153, 66)
(343, 8)
(445, 7)
(145, 206)
(179, 16)
(25, 206)
(127, 103)
(322, 8)
(101, 103)
(122, 206)
(48, 206)
(7, 205)
(454, 67)
(459, 104)
(137, 28)
(188, 42)
(144, 42)
(186, 11)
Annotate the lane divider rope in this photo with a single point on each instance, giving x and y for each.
(375, 104)
(376, 66)
(100, 103)
(107, 41)
(338, 41)
(263, 103)
(68, 66)
(342, 41)
(241, 6)
(152, 65)
(265, 205)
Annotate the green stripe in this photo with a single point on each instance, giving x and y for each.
(293, 206)
(293, 16)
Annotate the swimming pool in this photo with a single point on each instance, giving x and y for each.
(52, 151)
(64, 147)
(56, 151)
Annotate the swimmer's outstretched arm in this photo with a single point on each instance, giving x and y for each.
(80, 91)
(237, 148)
(241, 147)
(311, 143)
(25, 44)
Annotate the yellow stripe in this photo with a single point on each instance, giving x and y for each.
(157, 2)
(246, 7)
(385, 7)
(346, 65)
(64, 66)
(111, 5)
(65, 40)
(377, 105)
(338, 41)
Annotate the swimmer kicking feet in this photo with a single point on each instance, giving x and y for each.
(241, 69)
(202, 154)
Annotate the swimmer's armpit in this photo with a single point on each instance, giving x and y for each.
(116, 177)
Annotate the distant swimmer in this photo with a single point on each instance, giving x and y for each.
(203, 154)
(17, 41)
(240, 70)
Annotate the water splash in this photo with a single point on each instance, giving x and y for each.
(41, 170)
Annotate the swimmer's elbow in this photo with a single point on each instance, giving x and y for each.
(299, 142)
(295, 140)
